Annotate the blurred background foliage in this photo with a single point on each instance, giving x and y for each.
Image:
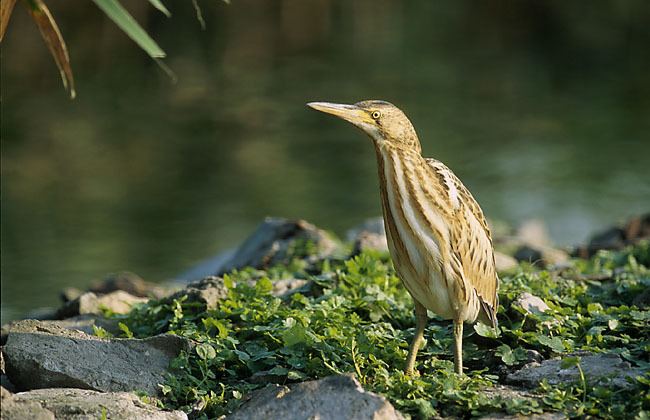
(540, 107)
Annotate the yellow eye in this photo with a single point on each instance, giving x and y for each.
(375, 115)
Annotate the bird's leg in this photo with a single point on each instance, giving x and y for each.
(420, 324)
(458, 346)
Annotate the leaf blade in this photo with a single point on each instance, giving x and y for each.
(123, 19)
(54, 41)
(161, 7)
(6, 7)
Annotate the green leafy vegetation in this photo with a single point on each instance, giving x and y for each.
(358, 318)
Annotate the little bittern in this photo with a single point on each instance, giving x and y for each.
(437, 235)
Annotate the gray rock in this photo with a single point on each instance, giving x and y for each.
(531, 303)
(4, 379)
(207, 292)
(130, 283)
(205, 268)
(21, 410)
(373, 225)
(41, 355)
(504, 262)
(77, 404)
(370, 235)
(369, 241)
(86, 322)
(533, 232)
(533, 356)
(118, 302)
(278, 240)
(82, 323)
(70, 293)
(335, 397)
(635, 229)
(287, 287)
(602, 368)
(506, 392)
(527, 253)
(543, 416)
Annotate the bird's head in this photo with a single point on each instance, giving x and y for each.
(382, 121)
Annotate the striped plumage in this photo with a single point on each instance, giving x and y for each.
(437, 235)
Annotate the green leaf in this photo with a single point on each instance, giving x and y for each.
(243, 356)
(119, 15)
(554, 343)
(160, 6)
(101, 332)
(279, 370)
(210, 322)
(264, 286)
(506, 354)
(485, 331)
(125, 329)
(205, 351)
(612, 324)
(295, 375)
(294, 335)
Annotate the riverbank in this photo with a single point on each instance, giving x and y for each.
(295, 323)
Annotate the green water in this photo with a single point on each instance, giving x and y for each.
(542, 109)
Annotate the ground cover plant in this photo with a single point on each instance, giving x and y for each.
(356, 317)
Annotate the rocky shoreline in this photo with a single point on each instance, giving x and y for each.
(69, 364)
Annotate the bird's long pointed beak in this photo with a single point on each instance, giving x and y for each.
(351, 113)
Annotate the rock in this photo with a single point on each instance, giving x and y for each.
(4, 379)
(369, 241)
(86, 322)
(287, 287)
(508, 392)
(374, 225)
(504, 262)
(529, 254)
(334, 397)
(370, 235)
(207, 292)
(205, 268)
(603, 368)
(531, 303)
(82, 323)
(634, 230)
(543, 416)
(20, 410)
(533, 232)
(277, 241)
(118, 302)
(42, 355)
(70, 403)
(70, 293)
(533, 356)
(540, 256)
(130, 283)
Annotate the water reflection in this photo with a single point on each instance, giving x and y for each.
(541, 108)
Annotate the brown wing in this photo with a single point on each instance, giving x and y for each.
(471, 243)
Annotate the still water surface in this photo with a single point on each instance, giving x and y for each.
(541, 109)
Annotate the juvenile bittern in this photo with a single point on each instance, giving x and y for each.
(437, 235)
